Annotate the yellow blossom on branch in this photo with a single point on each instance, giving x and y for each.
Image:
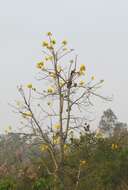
(62, 83)
(53, 41)
(114, 146)
(27, 114)
(81, 83)
(40, 65)
(50, 90)
(64, 42)
(59, 69)
(92, 78)
(29, 85)
(82, 67)
(49, 34)
(66, 147)
(53, 75)
(44, 147)
(83, 163)
(56, 126)
(45, 44)
(46, 59)
(49, 103)
(50, 58)
(56, 140)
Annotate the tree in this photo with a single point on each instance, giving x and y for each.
(107, 122)
(57, 114)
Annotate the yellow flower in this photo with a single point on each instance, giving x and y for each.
(82, 67)
(50, 58)
(81, 83)
(83, 162)
(53, 41)
(56, 126)
(56, 140)
(50, 90)
(53, 75)
(49, 34)
(66, 147)
(62, 83)
(44, 147)
(64, 42)
(59, 69)
(114, 146)
(45, 44)
(29, 86)
(49, 103)
(40, 65)
(46, 58)
(92, 78)
(27, 114)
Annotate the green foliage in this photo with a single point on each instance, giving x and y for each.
(7, 184)
(42, 184)
(106, 167)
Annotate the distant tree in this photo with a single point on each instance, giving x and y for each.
(120, 128)
(107, 123)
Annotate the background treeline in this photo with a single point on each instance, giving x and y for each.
(102, 155)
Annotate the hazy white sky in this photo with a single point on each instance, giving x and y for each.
(97, 29)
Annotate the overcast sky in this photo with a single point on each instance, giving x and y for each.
(97, 29)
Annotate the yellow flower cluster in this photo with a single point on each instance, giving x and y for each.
(49, 34)
(44, 147)
(49, 58)
(62, 83)
(92, 78)
(82, 69)
(83, 163)
(56, 126)
(53, 41)
(40, 65)
(66, 147)
(114, 146)
(49, 103)
(64, 42)
(49, 45)
(29, 85)
(59, 69)
(27, 114)
(56, 140)
(52, 74)
(81, 83)
(50, 90)
(45, 44)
